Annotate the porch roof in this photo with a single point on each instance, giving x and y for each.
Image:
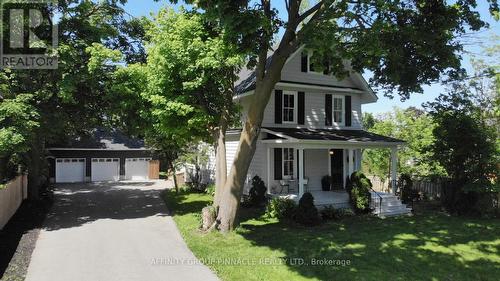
(329, 135)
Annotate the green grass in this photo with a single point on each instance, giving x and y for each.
(431, 246)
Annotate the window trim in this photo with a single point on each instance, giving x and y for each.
(283, 160)
(334, 123)
(295, 107)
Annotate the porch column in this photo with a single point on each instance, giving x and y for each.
(351, 162)
(301, 172)
(394, 168)
(268, 182)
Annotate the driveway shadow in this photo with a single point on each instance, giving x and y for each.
(77, 204)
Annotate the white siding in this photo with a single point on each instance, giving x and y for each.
(315, 166)
(314, 111)
(292, 72)
(231, 147)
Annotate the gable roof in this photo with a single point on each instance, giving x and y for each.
(247, 80)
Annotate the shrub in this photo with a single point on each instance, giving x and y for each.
(331, 213)
(280, 208)
(479, 198)
(210, 190)
(307, 213)
(257, 194)
(407, 193)
(359, 194)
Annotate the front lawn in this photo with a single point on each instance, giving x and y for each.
(424, 247)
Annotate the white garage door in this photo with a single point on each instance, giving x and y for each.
(137, 168)
(105, 169)
(70, 170)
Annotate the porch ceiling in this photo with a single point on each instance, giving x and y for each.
(350, 136)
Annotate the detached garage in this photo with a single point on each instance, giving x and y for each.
(106, 156)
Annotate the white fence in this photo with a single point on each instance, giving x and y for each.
(11, 198)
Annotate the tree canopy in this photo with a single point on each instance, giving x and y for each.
(415, 127)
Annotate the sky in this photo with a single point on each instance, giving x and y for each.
(139, 8)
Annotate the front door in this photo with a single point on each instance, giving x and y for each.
(337, 166)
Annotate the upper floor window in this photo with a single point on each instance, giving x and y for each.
(309, 66)
(288, 162)
(289, 107)
(338, 109)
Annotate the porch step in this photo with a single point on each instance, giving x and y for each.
(391, 205)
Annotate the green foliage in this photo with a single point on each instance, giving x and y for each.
(359, 193)
(18, 122)
(307, 213)
(190, 71)
(467, 148)
(280, 208)
(257, 194)
(407, 193)
(413, 126)
(331, 213)
(210, 190)
(385, 37)
(18, 119)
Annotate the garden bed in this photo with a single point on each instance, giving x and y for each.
(19, 236)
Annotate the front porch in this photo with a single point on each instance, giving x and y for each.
(337, 199)
(302, 160)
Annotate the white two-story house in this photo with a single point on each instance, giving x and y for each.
(312, 128)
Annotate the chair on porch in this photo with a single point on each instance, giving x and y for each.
(306, 184)
(283, 184)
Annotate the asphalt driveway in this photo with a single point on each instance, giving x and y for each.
(112, 231)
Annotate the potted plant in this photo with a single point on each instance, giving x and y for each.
(325, 183)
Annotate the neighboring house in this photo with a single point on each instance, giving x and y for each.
(312, 128)
(105, 156)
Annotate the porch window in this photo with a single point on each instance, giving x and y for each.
(289, 107)
(338, 109)
(288, 162)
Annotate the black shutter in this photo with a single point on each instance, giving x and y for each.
(278, 156)
(301, 109)
(298, 159)
(303, 62)
(328, 110)
(348, 111)
(278, 106)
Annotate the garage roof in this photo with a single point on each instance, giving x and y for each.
(102, 139)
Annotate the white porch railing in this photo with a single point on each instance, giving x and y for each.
(11, 198)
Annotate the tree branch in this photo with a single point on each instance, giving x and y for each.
(311, 11)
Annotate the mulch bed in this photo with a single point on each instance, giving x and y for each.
(19, 236)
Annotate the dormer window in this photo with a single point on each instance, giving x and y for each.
(289, 107)
(308, 66)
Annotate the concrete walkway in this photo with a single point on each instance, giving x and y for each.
(112, 231)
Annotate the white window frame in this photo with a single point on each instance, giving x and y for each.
(343, 110)
(295, 107)
(285, 150)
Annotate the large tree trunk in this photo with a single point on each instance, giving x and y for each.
(233, 189)
(220, 165)
(174, 173)
(35, 167)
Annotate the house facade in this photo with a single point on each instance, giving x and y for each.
(312, 129)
